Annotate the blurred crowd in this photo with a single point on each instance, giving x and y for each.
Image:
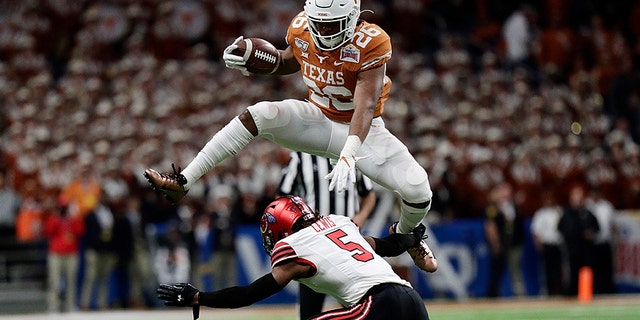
(539, 94)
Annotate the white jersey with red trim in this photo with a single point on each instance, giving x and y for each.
(345, 266)
(331, 76)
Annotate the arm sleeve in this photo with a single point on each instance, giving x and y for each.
(241, 296)
(394, 244)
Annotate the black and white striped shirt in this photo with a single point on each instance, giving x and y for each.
(304, 177)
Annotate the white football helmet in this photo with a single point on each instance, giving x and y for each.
(339, 15)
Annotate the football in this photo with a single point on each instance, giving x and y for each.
(261, 56)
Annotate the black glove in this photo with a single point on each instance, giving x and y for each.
(418, 233)
(397, 243)
(177, 295)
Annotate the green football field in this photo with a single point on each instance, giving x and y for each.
(614, 308)
(619, 307)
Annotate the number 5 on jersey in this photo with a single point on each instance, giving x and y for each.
(361, 253)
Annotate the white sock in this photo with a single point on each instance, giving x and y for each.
(224, 144)
(410, 217)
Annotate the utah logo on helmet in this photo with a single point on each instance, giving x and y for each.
(283, 217)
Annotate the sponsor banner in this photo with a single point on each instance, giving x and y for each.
(464, 263)
(627, 251)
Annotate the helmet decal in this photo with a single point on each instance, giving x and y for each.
(267, 219)
(283, 217)
(297, 200)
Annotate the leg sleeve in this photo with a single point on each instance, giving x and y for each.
(224, 144)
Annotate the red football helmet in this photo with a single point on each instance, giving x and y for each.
(283, 217)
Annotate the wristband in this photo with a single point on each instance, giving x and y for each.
(351, 146)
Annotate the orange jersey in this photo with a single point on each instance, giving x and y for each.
(331, 76)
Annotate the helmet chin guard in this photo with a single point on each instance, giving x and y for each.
(283, 217)
(344, 13)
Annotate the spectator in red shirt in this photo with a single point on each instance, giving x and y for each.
(64, 228)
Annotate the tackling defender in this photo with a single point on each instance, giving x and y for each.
(342, 60)
(303, 177)
(329, 255)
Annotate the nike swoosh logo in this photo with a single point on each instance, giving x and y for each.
(336, 63)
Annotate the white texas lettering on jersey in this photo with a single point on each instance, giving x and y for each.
(331, 76)
(314, 74)
(345, 264)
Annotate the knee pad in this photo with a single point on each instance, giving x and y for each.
(417, 192)
(269, 115)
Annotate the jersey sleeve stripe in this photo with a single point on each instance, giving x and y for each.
(375, 61)
(281, 253)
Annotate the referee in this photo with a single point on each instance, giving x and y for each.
(304, 177)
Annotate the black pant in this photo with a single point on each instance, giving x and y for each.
(311, 302)
(603, 269)
(383, 302)
(580, 255)
(498, 268)
(552, 257)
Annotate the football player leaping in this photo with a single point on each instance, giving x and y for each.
(342, 60)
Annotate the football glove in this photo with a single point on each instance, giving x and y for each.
(396, 243)
(421, 254)
(418, 233)
(343, 173)
(234, 61)
(177, 295)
